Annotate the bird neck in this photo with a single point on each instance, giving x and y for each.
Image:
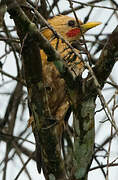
(47, 33)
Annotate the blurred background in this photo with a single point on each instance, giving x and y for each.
(17, 142)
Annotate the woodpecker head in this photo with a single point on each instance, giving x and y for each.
(68, 28)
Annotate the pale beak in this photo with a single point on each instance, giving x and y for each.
(89, 25)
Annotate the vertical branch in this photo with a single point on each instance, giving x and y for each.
(46, 139)
(84, 141)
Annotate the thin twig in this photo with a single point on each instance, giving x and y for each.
(94, 6)
(22, 169)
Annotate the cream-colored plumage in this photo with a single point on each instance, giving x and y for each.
(57, 99)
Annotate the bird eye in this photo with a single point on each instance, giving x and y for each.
(71, 23)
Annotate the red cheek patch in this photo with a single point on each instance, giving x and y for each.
(73, 32)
